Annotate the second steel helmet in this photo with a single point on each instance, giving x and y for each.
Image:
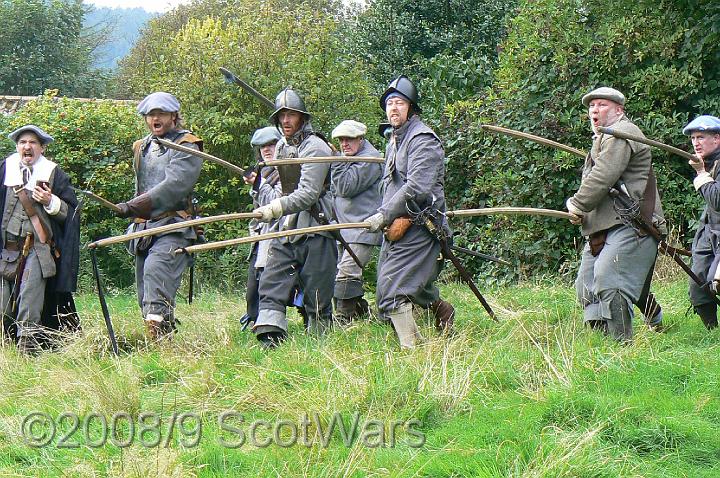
(405, 87)
(288, 99)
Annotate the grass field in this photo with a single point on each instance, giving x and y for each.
(532, 396)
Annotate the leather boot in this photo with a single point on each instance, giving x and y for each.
(27, 345)
(269, 336)
(158, 328)
(347, 310)
(620, 321)
(444, 315)
(708, 314)
(405, 327)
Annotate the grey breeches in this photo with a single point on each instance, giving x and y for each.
(310, 263)
(158, 273)
(348, 282)
(620, 268)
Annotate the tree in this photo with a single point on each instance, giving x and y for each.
(44, 46)
(449, 47)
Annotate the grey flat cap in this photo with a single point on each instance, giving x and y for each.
(44, 137)
(708, 123)
(266, 135)
(159, 101)
(349, 129)
(605, 93)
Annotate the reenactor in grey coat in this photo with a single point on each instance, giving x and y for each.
(355, 189)
(704, 132)
(164, 182)
(617, 260)
(409, 260)
(305, 260)
(266, 186)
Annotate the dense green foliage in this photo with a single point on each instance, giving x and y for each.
(536, 395)
(556, 51)
(45, 46)
(449, 47)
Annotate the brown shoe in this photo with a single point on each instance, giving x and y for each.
(444, 315)
(153, 330)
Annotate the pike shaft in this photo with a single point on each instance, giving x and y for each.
(272, 235)
(534, 138)
(649, 142)
(201, 154)
(528, 211)
(172, 227)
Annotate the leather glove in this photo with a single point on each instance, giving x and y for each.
(124, 210)
(270, 211)
(377, 221)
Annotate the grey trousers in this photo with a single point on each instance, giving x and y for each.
(158, 273)
(407, 270)
(348, 282)
(620, 269)
(310, 263)
(31, 298)
(704, 254)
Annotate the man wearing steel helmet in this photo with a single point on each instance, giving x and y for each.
(409, 263)
(164, 182)
(704, 132)
(617, 261)
(355, 189)
(307, 260)
(265, 184)
(38, 217)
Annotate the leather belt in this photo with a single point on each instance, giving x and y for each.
(182, 214)
(27, 204)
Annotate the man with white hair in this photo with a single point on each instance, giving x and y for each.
(265, 182)
(40, 240)
(617, 260)
(164, 182)
(355, 188)
(704, 132)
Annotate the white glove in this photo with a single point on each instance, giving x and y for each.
(377, 221)
(270, 211)
(574, 211)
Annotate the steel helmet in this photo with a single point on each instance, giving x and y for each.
(406, 88)
(288, 99)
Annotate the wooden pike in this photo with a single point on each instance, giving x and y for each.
(98, 199)
(201, 154)
(534, 138)
(173, 227)
(271, 235)
(649, 142)
(274, 162)
(526, 211)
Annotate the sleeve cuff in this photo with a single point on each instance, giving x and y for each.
(702, 179)
(572, 208)
(54, 207)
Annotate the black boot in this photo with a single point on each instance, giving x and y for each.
(708, 314)
(620, 322)
(444, 315)
(269, 336)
